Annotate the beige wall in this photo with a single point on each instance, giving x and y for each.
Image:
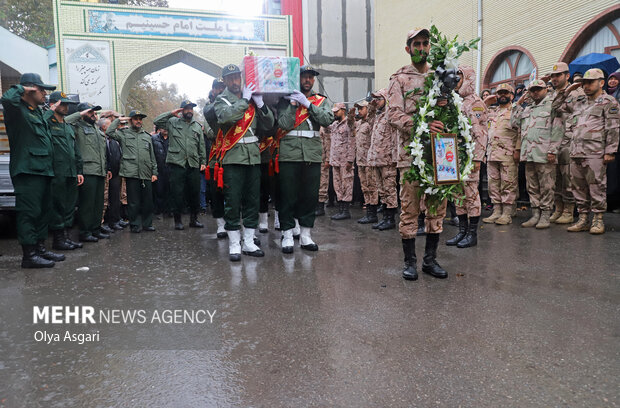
(543, 27)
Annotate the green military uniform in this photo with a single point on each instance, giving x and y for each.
(67, 165)
(92, 146)
(215, 194)
(138, 165)
(242, 162)
(31, 165)
(186, 153)
(300, 158)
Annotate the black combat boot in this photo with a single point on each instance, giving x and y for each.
(106, 230)
(381, 208)
(421, 225)
(471, 239)
(429, 264)
(88, 237)
(31, 259)
(380, 223)
(320, 209)
(371, 215)
(462, 231)
(178, 225)
(49, 255)
(101, 235)
(388, 221)
(59, 242)
(344, 213)
(410, 272)
(67, 233)
(193, 221)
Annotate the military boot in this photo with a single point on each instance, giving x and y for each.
(381, 208)
(471, 239)
(383, 220)
(388, 222)
(67, 233)
(344, 213)
(567, 215)
(462, 231)
(59, 242)
(409, 272)
(221, 231)
(533, 220)
(421, 225)
(598, 227)
(31, 259)
(559, 209)
(497, 213)
(320, 209)
(178, 224)
(580, 225)
(506, 217)
(543, 221)
(234, 245)
(193, 221)
(49, 255)
(263, 223)
(371, 215)
(429, 264)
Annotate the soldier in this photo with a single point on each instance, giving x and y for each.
(300, 116)
(404, 93)
(469, 209)
(161, 188)
(342, 156)
(594, 143)
(502, 158)
(240, 112)
(92, 145)
(67, 171)
(564, 199)
(540, 135)
(186, 158)
(324, 184)
(216, 196)
(363, 136)
(31, 167)
(138, 167)
(381, 158)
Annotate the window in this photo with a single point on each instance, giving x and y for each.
(512, 66)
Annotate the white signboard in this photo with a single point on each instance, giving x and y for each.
(88, 71)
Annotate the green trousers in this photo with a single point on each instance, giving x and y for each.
(241, 195)
(216, 197)
(299, 193)
(90, 204)
(139, 202)
(64, 197)
(184, 188)
(32, 204)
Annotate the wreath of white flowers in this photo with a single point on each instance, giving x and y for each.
(444, 53)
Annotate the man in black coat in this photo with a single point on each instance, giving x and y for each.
(161, 188)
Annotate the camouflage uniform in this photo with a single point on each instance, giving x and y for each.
(324, 184)
(363, 134)
(381, 158)
(540, 135)
(401, 107)
(502, 171)
(595, 128)
(475, 109)
(342, 156)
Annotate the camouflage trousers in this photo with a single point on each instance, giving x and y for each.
(589, 184)
(563, 190)
(540, 181)
(386, 185)
(343, 183)
(324, 184)
(503, 178)
(470, 203)
(412, 204)
(368, 182)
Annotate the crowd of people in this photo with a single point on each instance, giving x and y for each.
(249, 154)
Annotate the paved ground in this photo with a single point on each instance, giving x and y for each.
(526, 319)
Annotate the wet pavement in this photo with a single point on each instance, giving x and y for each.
(526, 319)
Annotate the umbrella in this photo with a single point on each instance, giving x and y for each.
(606, 62)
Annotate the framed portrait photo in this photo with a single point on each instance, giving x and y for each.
(445, 158)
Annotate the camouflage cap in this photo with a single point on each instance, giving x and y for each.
(594, 73)
(337, 106)
(537, 83)
(230, 69)
(136, 114)
(560, 68)
(60, 96)
(361, 104)
(415, 32)
(505, 87)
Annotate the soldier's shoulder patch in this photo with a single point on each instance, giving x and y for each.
(478, 108)
(613, 110)
(581, 98)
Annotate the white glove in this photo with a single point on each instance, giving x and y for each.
(258, 100)
(248, 90)
(300, 98)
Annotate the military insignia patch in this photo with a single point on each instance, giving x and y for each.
(613, 110)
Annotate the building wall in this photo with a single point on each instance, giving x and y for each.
(543, 27)
(341, 46)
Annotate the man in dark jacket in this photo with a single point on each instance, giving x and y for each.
(161, 188)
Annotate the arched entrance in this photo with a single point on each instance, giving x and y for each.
(512, 65)
(104, 48)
